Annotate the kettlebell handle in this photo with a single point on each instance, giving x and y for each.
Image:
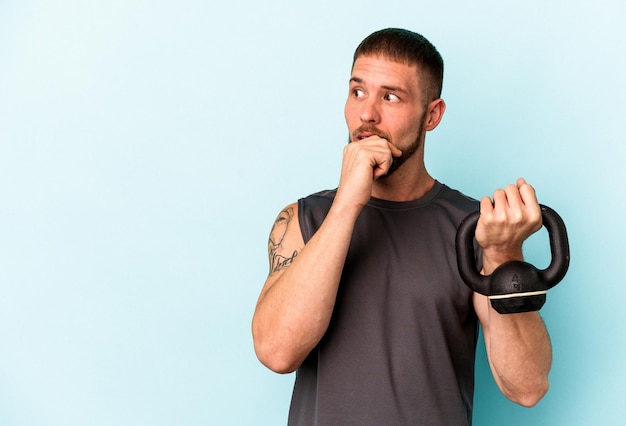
(540, 280)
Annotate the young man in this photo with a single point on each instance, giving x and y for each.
(364, 298)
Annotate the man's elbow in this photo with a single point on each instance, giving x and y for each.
(276, 361)
(274, 356)
(531, 397)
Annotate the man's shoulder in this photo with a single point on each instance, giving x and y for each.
(328, 194)
(312, 211)
(318, 200)
(455, 193)
(454, 198)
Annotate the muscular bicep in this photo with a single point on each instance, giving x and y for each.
(284, 244)
(285, 241)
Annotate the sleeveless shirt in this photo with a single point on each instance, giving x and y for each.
(401, 342)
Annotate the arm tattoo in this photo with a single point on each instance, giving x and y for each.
(279, 255)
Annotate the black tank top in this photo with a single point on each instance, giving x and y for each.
(401, 343)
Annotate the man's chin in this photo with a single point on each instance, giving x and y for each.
(397, 162)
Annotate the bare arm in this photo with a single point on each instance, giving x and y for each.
(518, 345)
(519, 351)
(297, 300)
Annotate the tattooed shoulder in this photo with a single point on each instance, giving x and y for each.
(280, 255)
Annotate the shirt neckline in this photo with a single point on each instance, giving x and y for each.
(404, 205)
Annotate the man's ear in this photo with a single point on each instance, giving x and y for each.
(434, 114)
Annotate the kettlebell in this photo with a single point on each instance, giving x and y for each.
(514, 286)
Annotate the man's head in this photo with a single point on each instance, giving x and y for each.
(395, 88)
(407, 47)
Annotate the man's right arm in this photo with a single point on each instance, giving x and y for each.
(297, 300)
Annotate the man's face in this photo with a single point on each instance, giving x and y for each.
(384, 100)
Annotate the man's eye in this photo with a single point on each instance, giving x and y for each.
(358, 93)
(391, 97)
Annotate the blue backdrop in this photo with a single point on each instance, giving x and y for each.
(146, 148)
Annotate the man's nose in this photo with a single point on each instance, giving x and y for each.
(369, 111)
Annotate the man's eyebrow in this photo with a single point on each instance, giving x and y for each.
(387, 87)
(395, 89)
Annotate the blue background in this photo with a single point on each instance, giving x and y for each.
(147, 146)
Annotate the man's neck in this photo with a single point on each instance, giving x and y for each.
(402, 186)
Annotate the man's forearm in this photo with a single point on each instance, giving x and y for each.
(520, 355)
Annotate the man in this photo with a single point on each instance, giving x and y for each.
(364, 298)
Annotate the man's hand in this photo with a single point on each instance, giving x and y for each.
(504, 224)
(364, 161)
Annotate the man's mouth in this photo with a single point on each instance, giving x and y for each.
(366, 135)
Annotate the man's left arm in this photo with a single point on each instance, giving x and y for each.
(518, 345)
(519, 352)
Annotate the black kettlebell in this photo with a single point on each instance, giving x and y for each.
(514, 286)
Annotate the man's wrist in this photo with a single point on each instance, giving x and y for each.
(494, 258)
